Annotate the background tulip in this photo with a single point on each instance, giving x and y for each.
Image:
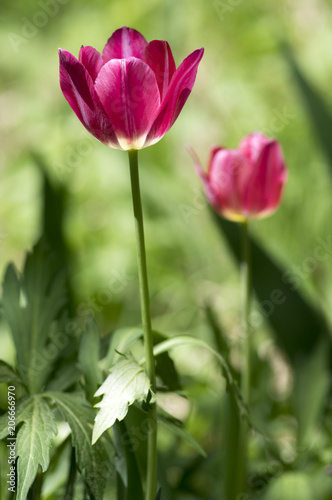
(246, 182)
(130, 96)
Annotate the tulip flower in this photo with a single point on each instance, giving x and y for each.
(247, 182)
(129, 96)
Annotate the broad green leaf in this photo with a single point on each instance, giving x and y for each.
(290, 486)
(120, 342)
(126, 463)
(317, 107)
(310, 391)
(297, 326)
(34, 440)
(88, 357)
(126, 383)
(8, 374)
(179, 341)
(94, 462)
(177, 428)
(31, 305)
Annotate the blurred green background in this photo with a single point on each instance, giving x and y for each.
(244, 84)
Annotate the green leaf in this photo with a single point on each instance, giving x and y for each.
(289, 486)
(8, 374)
(317, 107)
(31, 305)
(297, 326)
(94, 462)
(177, 428)
(126, 463)
(34, 440)
(126, 383)
(232, 386)
(120, 342)
(310, 391)
(88, 357)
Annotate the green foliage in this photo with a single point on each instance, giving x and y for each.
(34, 440)
(31, 304)
(88, 357)
(94, 462)
(8, 374)
(126, 383)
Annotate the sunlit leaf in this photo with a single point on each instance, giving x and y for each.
(126, 383)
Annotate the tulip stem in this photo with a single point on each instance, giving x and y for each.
(246, 371)
(247, 293)
(151, 479)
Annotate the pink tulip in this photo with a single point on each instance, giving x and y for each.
(246, 182)
(130, 96)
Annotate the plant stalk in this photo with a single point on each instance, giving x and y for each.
(151, 479)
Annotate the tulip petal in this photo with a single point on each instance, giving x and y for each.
(226, 177)
(180, 87)
(263, 193)
(252, 145)
(77, 87)
(91, 60)
(129, 93)
(125, 42)
(159, 57)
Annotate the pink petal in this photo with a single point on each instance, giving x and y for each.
(228, 170)
(252, 145)
(77, 87)
(159, 57)
(181, 85)
(125, 42)
(264, 191)
(129, 93)
(91, 60)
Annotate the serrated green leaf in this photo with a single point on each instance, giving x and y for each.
(88, 357)
(177, 428)
(8, 374)
(126, 383)
(94, 462)
(31, 306)
(34, 440)
(231, 384)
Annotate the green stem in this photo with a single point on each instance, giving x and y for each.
(151, 480)
(246, 372)
(247, 293)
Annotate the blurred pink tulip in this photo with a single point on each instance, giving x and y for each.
(130, 96)
(246, 182)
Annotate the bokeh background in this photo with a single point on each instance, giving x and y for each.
(246, 82)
